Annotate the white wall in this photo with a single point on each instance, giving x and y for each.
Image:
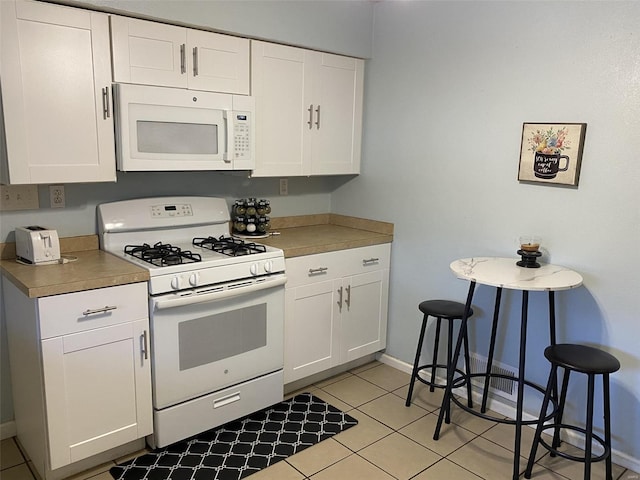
(447, 91)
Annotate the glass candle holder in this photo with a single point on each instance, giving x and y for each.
(530, 243)
(529, 251)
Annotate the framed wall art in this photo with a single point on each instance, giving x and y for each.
(551, 153)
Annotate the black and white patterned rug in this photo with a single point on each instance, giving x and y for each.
(242, 447)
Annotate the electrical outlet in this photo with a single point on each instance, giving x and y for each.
(19, 197)
(56, 196)
(284, 186)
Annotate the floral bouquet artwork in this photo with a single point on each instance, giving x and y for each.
(551, 152)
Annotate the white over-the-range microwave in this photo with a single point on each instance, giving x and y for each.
(172, 129)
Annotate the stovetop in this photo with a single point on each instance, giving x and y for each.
(178, 240)
(230, 246)
(161, 254)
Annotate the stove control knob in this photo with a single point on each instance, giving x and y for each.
(254, 269)
(175, 283)
(268, 266)
(193, 279)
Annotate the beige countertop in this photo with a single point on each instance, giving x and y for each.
(311, 234)
(92, 268)
(298, 235)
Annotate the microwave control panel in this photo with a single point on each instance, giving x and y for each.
(242, 135)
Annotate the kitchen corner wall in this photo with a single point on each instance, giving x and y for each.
(447, 90)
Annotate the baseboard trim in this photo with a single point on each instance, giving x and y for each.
(498, 405)
(7, 430)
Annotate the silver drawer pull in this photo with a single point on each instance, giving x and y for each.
(98, 310)
(316, 271)
(366, 261)
(144, 349)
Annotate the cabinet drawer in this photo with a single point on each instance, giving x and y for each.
(365, 259)
(311, 269)
(80, 311)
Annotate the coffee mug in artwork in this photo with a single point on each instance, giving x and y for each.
(547, 165)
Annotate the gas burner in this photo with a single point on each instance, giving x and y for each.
(233, 247)
(161, 254)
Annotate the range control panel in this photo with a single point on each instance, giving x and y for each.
(175, 210)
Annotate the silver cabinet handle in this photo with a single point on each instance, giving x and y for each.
(310, 122)
(318, 117)
(143, 345)
(339, 302)
(195, 61)
(105, 103)
(183, 58)
(366, 261)
(105, 309)
(348, 299)
(316, 271)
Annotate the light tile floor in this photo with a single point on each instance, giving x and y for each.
(390, 441)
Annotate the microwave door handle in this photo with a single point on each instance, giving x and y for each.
(228, 154)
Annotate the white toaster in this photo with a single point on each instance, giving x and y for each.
(37, 245)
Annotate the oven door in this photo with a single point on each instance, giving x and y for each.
(214, 337)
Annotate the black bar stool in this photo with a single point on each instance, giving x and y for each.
(441, 310)
(590, 361)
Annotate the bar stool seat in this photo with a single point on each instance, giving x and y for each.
(441, 310)
(590, 361)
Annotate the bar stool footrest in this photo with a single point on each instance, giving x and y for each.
(598, 439)
(507, 421)
(457, 382)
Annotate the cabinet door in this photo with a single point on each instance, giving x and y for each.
(312, 334)
(56, 77)
(218, 63)
(148, 52)
(338, 95)
(364, 321)
(98, 390)
(279, 79)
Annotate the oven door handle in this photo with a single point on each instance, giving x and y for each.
(203, 297)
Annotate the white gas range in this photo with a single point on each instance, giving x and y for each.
(216, 307)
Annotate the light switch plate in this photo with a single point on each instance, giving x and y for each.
(284, 186)
(19, 197)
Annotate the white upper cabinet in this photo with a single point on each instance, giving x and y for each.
(153, 53)
(308, 111)
(56, 94)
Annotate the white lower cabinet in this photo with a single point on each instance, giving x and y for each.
(335, 308)
(80, 370)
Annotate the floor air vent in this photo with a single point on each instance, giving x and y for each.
(506, 388)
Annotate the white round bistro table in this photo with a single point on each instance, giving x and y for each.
(504, 273)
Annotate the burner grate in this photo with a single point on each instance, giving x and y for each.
(233, 247)
(162, 254)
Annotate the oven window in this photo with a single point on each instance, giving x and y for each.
(175, 137)
(212, 338)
